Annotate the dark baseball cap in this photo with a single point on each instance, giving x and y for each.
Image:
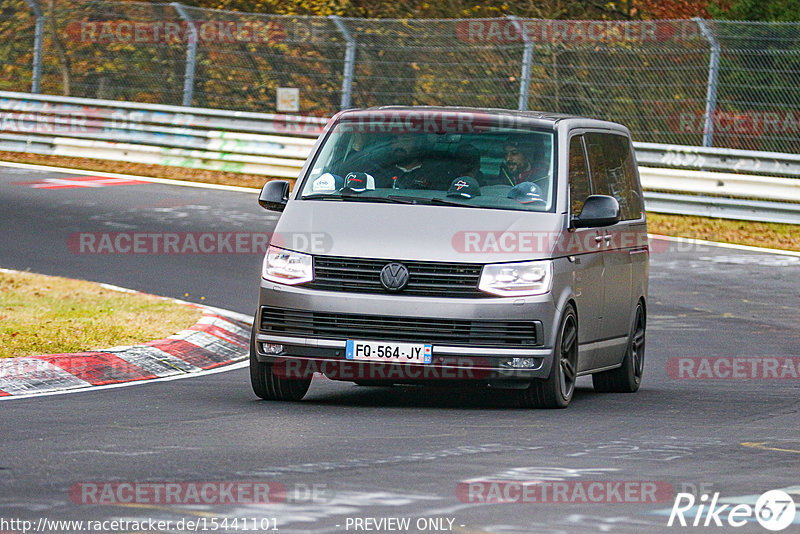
(464, 187)
(526, 192)
(359, 181)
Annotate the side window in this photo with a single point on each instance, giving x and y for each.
(614, 171)
(578, 176)
(632, 187)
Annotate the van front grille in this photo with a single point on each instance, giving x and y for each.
(435, 330)
(425, 278)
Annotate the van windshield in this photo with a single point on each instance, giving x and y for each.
(500, 168)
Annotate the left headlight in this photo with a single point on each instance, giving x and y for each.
(287, 267)
(517, 279)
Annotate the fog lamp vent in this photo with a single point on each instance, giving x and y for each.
(523, 363)
(271, 348)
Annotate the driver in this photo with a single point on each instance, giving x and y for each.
(409, 168)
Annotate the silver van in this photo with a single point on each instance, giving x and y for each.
(436, 245)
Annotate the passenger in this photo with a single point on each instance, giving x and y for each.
(468, 162)
(353, 157)
(525, 161)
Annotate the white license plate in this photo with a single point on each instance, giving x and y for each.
(383, 351)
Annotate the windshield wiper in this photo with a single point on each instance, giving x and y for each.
(426, 200)
(448, 202)
(399, 199)
(356, 198)
(402, 199)
(320, 196)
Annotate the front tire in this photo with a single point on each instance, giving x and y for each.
(557, 389)
(628, 377)
(269, 386)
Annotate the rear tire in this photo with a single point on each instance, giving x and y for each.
(557, 389)
(628, 377)
(267, 385)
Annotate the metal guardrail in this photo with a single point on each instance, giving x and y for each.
(720, 184)
(723, 208)
(277, 145)
(762, 187)
(253, 143)
(718, 159)
(735, 196)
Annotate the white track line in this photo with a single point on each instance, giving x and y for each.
(247, 319)
(223, 369)
(692, 241)
(165, 181)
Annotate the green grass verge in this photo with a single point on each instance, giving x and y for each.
(756, 234)
(47, 315)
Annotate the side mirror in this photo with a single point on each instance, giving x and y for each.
(598, 210)
(274, 195)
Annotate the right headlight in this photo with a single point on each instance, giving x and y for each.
(287, 267)
(517, 279)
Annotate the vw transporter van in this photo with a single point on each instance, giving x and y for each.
(434, 245)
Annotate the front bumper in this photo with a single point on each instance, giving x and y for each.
(455, 361)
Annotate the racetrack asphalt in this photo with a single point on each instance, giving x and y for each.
(393, 452)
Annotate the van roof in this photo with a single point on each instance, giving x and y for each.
(536, 118)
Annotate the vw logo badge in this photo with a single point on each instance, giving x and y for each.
(394, 277)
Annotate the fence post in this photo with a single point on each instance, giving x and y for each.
(527, 59)
(191, 54)
(349, 62)
(713, 80)
(38, 44)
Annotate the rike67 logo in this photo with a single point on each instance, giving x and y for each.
(774, 510)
